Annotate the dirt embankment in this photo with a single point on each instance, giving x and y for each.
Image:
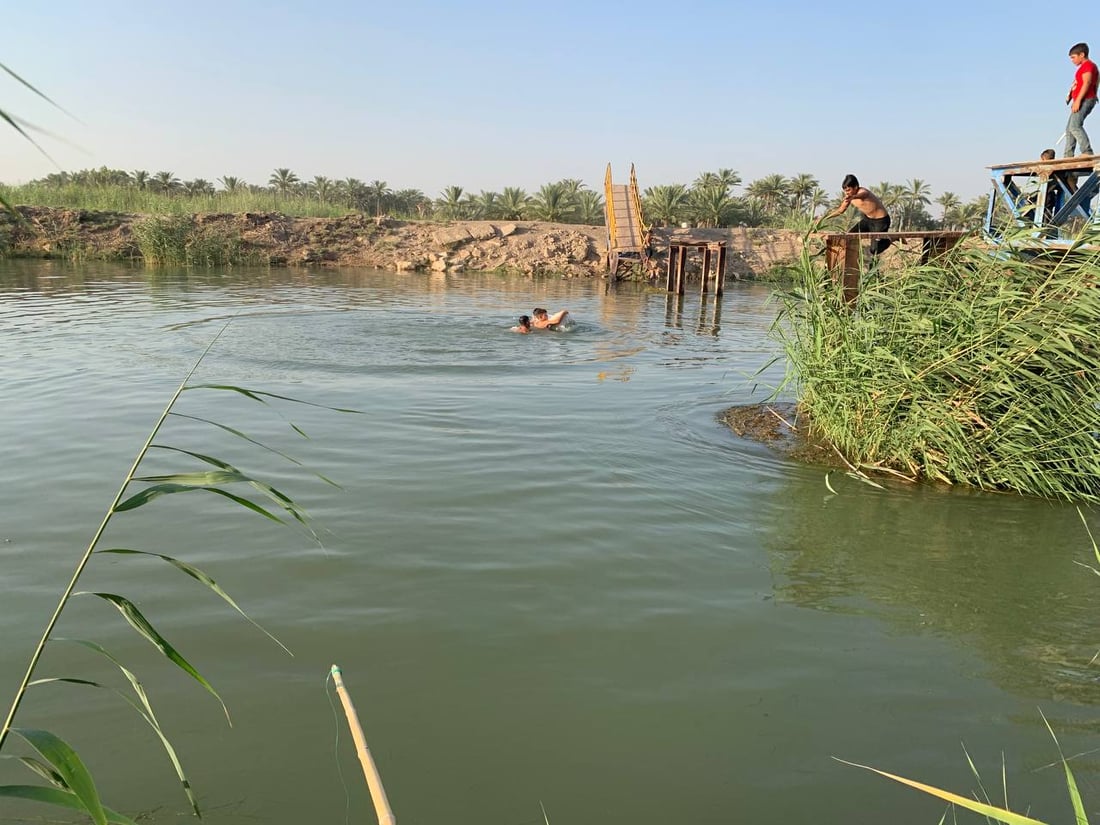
(527, 247)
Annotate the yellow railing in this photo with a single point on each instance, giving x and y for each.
(609, 210)
(639, 224)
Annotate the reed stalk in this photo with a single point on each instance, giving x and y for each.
(978, 368)
(70, 784)
(135, 201)
(370, 771)
(67, 593)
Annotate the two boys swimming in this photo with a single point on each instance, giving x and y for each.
(540, 319)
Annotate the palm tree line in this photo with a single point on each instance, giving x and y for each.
(796, 203)
(711, 200)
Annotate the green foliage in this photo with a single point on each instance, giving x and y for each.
(981, 803)
(711, 199)
(177, 240)
(972, 369)
(665, 205)
(712, 206)
(152, 200)
(554, 202)
(69, 783)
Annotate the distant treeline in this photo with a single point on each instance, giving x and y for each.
(712, 199)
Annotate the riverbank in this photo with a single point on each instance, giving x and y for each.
(525, 247)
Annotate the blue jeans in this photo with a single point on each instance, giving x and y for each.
(1075, 129)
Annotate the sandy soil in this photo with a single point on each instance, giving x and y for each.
(527, 247)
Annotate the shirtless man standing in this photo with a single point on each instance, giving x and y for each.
(875, 217)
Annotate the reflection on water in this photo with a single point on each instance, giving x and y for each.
(547, 556)
(931, 560)
(707, 314)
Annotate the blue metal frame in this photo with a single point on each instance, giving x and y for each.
(1055, 202)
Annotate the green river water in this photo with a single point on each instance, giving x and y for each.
(550, 574)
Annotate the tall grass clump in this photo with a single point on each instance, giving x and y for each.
(177, 240)
(131, 200)
(979, 368)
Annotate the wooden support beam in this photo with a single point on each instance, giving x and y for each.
(721, 275)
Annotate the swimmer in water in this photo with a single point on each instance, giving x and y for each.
(524, 325)
(544, 321)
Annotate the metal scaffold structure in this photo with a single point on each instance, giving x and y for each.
(1052, 198)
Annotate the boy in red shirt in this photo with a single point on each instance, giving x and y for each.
(1081, 100)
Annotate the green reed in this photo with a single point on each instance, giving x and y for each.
(178, 240)
(980, 368)
(132, 200)
(65, 780)
(981, 802)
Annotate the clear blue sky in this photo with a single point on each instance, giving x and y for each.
(429, 93)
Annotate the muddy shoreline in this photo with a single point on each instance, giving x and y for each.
(779, 426)
(525, 247)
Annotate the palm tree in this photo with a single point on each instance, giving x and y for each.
(198, 187)
(665, 205)
(971, 214)
(139, 179)
(230, 184)
(573, 185)
(590, 207)
(484, 205)
(321, 188)
(801, 187)
(711, 206)
(354, 192)
(513, 203)
(377, 194)
(553, 202)
(769, 191)
(450, 203)
(914, 197)
(949, 202)
(283, 180)
(165, 183)
(407, 202)
(891, 195)
(817, 197)
(725, 179)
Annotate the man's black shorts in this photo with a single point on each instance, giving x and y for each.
(874, 225)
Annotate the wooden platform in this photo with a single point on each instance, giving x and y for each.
(678, 249)
(1054, 198)
(1038, 167)
(844, 253)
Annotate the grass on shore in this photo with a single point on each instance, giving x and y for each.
(147, 202)
(176, 240)
(973, 369)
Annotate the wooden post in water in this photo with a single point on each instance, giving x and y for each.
(676, 273)
(706, 270)
(720, 276)
(370, 771)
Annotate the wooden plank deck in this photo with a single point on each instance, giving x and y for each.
(711, 250)
(844, 253)
(1044, 167)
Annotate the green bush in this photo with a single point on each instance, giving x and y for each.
(980, 368)
(176, 240)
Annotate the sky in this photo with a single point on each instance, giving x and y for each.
(426, 94)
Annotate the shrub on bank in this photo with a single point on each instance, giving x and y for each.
(176, 240)
(979, 369)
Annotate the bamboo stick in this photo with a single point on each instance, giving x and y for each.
(370, 771)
